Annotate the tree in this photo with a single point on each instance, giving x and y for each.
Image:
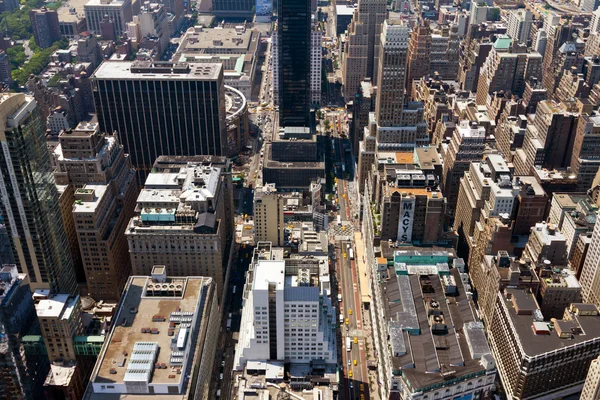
(16, 56)
(327, 124)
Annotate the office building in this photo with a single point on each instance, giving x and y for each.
(118, 12)
(420, 303)
(66, 200)
(590, 274)
(585, 158)
(236, 48)
(558, 289)
(184, 115)
(467, 145)
(400, 124)
(38, 238)
(589, 5)
(294, 62)
(530, 369)
(519, 25)
(154, 22)
(359, 107)
(546, 243)
(294, 159)
(579, 222)
(279, 294)
(234, 8)
(170, 340)
(591, 388)
(316, 63)
(419, 54)
(19, 376)
(361, 49)
(487, 185)
(412, 214)
(104, 199)
(570, 54)
(507, 68)
(181, 221)
(44, 23)
(268, 215)
(444, 52)
(549, 138)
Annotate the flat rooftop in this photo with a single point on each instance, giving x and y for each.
(536, 344)
(429, 347)
(147, 320)
(71, 11)
(127, 70)
(82, 206)
(211, 40)
(57, 306)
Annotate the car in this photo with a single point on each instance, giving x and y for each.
(220, 377)
(349, 362)
(362, 387)
(354, 362)
(347, 321)
(350, 311)
(351, 386)
(350, 375)
(355, 340)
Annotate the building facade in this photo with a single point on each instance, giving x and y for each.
(44, 23)
(184, 116)
(30, 201)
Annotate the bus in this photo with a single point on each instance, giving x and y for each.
(348, 343)
(352, 254)
(339, 220)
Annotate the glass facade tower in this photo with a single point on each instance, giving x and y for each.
(30, 201)
(294, 30)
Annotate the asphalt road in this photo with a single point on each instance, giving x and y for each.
(229, 338)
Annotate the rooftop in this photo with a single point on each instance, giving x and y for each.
(89, 206)
(56, 306)
(157, 71)
(105, 3)
(71, 11)
(424, 314)
(151, 339)
(199, 40)
(524, 312)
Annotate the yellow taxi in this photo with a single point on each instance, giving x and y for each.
(345, 256)
(350, 311)
(347, 321)
(350, 373)
(354, 362)
(355, 340)
(362, 388)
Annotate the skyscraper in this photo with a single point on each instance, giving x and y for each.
(362, 45)
(105, 197)
(163, 108)
(294, 39)
(30, 202)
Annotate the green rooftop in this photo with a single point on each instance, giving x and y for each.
(503, 42)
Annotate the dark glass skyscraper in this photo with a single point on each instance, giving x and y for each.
(162, 109)
(29, 198)
(293, 28)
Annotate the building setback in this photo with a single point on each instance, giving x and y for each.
(183, 220)
(104, 199)
(162, 108)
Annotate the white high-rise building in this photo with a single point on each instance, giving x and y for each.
(595, 22)
(288, 314)
(519, 25)
(316, 52)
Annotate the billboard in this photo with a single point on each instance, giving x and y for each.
(405, 222)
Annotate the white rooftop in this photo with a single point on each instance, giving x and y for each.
(267, 271)
(56, 307)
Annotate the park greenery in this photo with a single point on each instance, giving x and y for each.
(37, 63)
